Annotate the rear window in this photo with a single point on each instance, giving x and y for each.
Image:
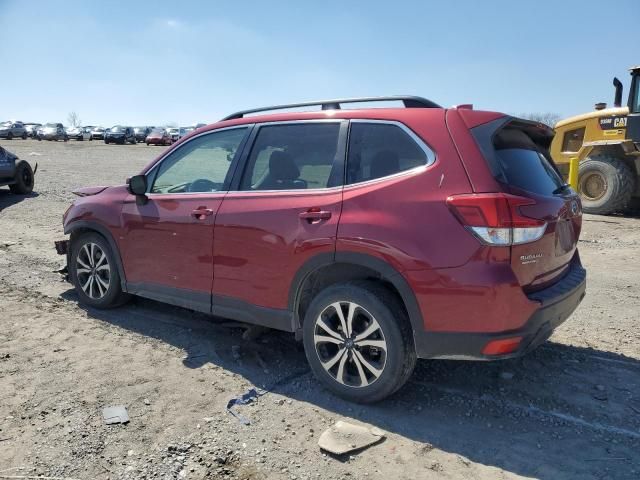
(379, 149)
(524, 164)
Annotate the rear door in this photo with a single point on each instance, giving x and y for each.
(285, 210)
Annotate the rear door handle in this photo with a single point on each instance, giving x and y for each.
(315, 216)
(201, 213)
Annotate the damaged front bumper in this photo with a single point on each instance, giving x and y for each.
(62, 248)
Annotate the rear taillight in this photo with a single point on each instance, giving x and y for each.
(495, 218)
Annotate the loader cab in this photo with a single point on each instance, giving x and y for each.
(633, 119)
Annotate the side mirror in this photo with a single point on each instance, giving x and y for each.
(138, 185)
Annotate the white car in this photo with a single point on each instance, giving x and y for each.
(79, 133)
(176, 133)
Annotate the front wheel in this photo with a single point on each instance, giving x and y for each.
(358, 341)
(94, 272)
(24, 179)
(24, 136)
(606, 184)
(10, 136)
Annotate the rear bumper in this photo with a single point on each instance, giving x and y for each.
(557, 303)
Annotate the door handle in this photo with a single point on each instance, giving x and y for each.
(201, 213)
(314, 215)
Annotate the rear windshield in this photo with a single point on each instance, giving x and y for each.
(517, 155)
(524, 164)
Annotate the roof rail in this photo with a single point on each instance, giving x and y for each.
(408, 101)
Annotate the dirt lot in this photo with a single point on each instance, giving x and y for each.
(571, 409)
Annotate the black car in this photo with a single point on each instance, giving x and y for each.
(120, 134)
(16, 173)
(141, 133)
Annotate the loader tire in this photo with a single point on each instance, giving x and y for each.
(606, 184)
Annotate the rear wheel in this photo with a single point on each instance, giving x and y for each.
(358, 341)
(24, 179)
(606, 184)
(94, 272)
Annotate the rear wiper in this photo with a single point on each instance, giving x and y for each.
(561, 189)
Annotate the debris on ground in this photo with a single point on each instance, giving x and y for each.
(344, 437)
(251, 395)
(114, 415)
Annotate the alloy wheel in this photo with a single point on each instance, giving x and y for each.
(350, 344)
(93, 271)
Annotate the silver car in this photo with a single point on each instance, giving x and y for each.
(79, 133)
(10, 130)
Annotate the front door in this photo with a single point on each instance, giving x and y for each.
(167, 242)
(285, 210)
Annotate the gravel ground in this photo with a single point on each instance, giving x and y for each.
(571, 409)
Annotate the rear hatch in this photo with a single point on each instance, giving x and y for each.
(518, 157)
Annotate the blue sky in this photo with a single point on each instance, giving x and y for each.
(186, 62)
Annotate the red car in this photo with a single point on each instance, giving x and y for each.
(158, 136)
(376, 236)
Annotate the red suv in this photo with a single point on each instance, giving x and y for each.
(375, 235)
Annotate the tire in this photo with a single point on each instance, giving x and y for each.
(24, 179)
(89, 275)
(606, 184)
(24, 136)
(392, 358)
(10, 136)
(106, 142)
(65, 138)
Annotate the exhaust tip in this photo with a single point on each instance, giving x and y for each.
(601, 105)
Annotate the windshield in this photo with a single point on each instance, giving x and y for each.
(51, 125)
(157, 131)
(117, 129)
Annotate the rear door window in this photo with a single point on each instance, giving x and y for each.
(524, 164)
(380, 149)
(294, 157)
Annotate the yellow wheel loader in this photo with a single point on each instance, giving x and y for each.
(599, 152)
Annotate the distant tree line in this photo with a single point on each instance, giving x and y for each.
(548, 118)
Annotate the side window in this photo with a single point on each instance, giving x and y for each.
(572, 141)
(294, 156)
(380, 149)
(200, 165)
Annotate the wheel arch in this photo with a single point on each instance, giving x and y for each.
(80, 227)
(324, 270)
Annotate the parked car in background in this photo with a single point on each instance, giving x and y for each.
(188, 130)
(159, 136)
(176, 133)
(120, 134)
(52, 131)
(97, 133)
(376, 235)
(141, 133)
(79, 133)
(10, 130)
(32, 129)
(16, 173)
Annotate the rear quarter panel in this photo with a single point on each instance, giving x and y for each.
(407, 214)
